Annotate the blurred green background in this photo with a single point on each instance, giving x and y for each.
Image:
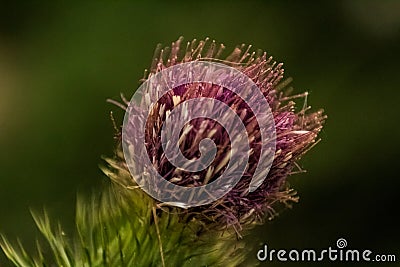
(60, 62)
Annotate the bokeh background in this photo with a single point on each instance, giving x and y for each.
(60, 62)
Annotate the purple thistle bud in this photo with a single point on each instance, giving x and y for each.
(296, 133)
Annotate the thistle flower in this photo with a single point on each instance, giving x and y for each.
(125, 227)
(296, 133)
